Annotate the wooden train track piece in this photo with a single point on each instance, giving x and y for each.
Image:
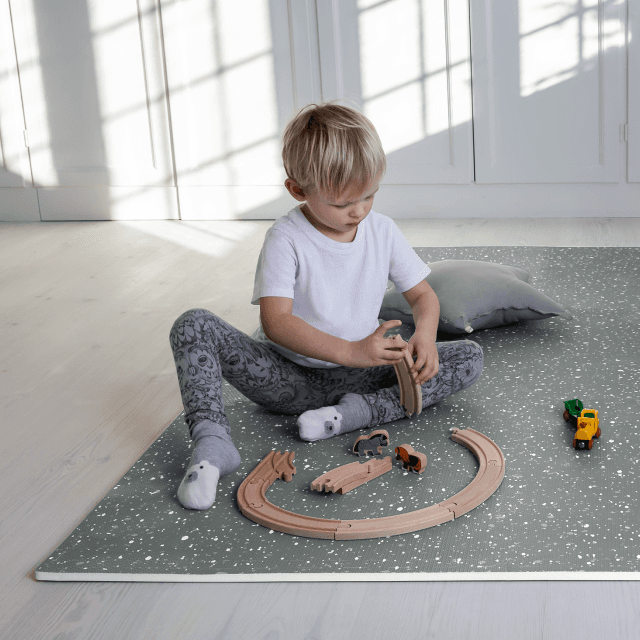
(410, 392)
(255, 506)
(369, 444)
(349, 476)
(411, 459)
(489, 474)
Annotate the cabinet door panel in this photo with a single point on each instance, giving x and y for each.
(14, 158)
(406, 64)
(633, 74)
(94, 93)
(230, 83)
(547, 92)
(237, 72)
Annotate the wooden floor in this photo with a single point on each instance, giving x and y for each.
(87, 383)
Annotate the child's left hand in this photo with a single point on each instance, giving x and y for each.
(427, 362)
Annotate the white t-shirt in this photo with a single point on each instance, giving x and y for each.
(336, 287)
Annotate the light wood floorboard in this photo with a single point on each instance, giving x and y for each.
(87, 383)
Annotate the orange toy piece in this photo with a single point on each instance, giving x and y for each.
(410, 392)
(350, 476)
(254, 505)
(411, 459)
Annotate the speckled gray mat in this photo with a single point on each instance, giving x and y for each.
(558, 514)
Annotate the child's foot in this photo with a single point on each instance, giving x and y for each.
(352, 412)
(214, 455)
(198, 487)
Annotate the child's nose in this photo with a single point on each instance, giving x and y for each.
(359, 210)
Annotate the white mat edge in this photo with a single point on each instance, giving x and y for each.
(342, 577)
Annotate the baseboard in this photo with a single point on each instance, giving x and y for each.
(19, 204)
(108, 203)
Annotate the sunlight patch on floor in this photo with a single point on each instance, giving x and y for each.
(216, 239)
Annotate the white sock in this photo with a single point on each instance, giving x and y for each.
(198, 487)
(352, 412)
(214, 455)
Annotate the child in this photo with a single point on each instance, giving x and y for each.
(320, 280)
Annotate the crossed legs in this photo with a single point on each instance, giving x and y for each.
(207, 349)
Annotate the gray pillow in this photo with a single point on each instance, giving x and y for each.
(476, 295)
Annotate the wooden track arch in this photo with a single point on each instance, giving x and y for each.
(255, 506)
(410, 392)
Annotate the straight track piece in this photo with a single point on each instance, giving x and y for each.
(349, 476)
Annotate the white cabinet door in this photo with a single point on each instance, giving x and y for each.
(18, 200)
(633, 74)
(406, 64)
(233, 86)
(548, 96)
(14, 158)
(95, 104)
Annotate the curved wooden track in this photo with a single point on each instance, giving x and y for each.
(255, 506)
(410, 392)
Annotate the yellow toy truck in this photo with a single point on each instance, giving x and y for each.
(585, 421)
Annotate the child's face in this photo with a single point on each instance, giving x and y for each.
(337, 217)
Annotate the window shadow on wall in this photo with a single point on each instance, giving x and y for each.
(186, 100)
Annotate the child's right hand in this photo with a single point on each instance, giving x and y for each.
(376, 350)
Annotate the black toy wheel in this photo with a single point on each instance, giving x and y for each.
(581, 445)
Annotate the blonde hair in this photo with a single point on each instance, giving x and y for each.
(330, 146)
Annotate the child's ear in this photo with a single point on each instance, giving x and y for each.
(294, 189)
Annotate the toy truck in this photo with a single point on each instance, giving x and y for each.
(572, 409)
(585, 421)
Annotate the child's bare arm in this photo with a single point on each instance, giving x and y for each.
(289, 331)
(426, 312)
(425, 308)
(293, 333)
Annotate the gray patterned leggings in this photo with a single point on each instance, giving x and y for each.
(207, 349)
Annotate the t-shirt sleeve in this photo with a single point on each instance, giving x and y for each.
(276, 269)
(406, 267)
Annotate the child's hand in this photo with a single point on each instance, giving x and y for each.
(376, 350)
(427, 362)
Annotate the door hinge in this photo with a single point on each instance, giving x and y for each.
(26, 138)
(624, 133)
